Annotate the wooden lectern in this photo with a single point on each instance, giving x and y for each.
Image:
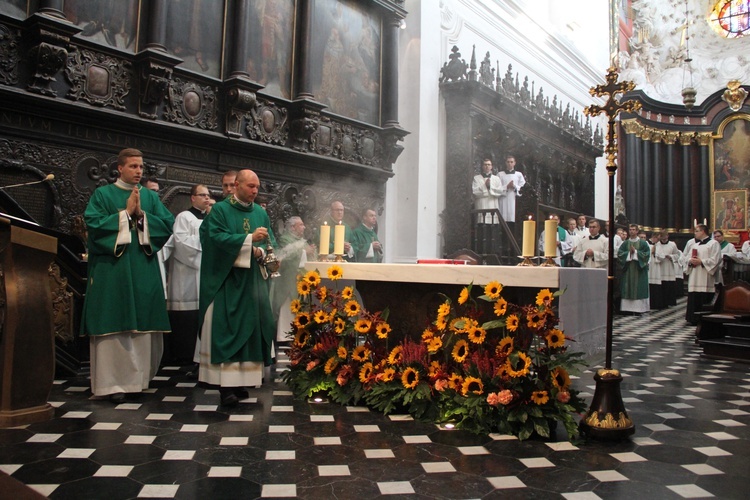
(27, 342)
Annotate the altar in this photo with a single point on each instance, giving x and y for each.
(412, 293)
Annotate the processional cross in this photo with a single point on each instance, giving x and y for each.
(607, 418)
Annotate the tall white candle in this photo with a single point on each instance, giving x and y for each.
(550, 238)
(338, 239)
(529, 233)
(325, 238)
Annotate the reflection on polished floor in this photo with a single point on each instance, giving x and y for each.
(692, 440)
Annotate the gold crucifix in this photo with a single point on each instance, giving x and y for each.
(612, 108)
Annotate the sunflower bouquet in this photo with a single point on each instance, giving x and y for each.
(484, 364)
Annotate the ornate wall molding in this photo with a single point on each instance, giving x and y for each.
(190, 103)
(9, 54)
(98, 78)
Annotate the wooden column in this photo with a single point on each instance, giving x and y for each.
(156, 34)
(240, 40)
(670, 138)
(704, 139)
(302, 83)
(389, 92)
(686, 221)
(655, 191)
(647, 202)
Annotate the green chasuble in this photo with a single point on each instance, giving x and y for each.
(634, 280)
(362, 237)
(124, 291)
(242, 323)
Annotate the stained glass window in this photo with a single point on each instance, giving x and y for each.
(731, 18)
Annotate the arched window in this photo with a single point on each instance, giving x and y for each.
(731, 18)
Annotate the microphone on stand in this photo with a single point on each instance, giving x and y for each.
(48, 178)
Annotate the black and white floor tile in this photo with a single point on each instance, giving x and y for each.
(692, 440)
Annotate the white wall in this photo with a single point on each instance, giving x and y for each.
(540, 39)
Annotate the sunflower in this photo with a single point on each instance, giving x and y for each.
(504, 347)
(389, 374)
(321, 293)
(382, 330)
(512, 323)
(351, 308)
(302, 320)
(301, 337)
(341, 352)
(544, 297)
(502, 371)
(396, 355)
(453, 325)
(365, 372)
(518, 367)
(313, 278)
(427, 334)
(335, 273)
(320, 317)
(331, 365)
(560, 378)
(535, 320)
(434, 368)
(410, 378)
(463, 296)
(460, 351)
(339, 325)
(555, 338)
(434, 344)
(493, 289)
(444, 310)
(347, 293)
(455, 381)
(477, 334)
(363, 325)
(361, 354)
(472, 385)
(539, 397)
(440, 323)
(295, 306)
(501, 306)
(303, 288)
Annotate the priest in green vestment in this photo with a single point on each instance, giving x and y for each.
(124, 311)
(237, 321)
(633, 257)
(367, 248)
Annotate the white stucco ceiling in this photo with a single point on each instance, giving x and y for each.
(655, 61)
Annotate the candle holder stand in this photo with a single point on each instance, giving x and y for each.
(527, 262)
(339, 257)
(549, 262)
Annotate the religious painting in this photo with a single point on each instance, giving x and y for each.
(345, 59)
(109, 22)
(730, 210)
(731, 154)
(13, 8)
(195, 30)
(271, 46)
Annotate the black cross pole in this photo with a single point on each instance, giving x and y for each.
(607, 418)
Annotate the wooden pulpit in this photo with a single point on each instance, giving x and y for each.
(27, 343)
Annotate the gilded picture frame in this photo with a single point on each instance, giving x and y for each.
(730, 168)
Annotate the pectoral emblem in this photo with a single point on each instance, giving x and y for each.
(246, 226)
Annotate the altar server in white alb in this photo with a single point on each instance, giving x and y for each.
(184, 278)
(667, 254)
(512, 182)
(701, 260)
(593, 250)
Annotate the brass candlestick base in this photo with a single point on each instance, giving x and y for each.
(550, 262)
(607, 418)
(339, 258)
(527, 262)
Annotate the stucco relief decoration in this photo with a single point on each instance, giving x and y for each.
(9, 55)
(98, 79)
(654, 59)
(734, 95)
(191, 104)
(268, 123)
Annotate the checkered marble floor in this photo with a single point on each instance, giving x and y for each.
(692, 440)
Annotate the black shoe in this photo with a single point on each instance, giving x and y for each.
(117, 398)
(241, 393)
(228, 397)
